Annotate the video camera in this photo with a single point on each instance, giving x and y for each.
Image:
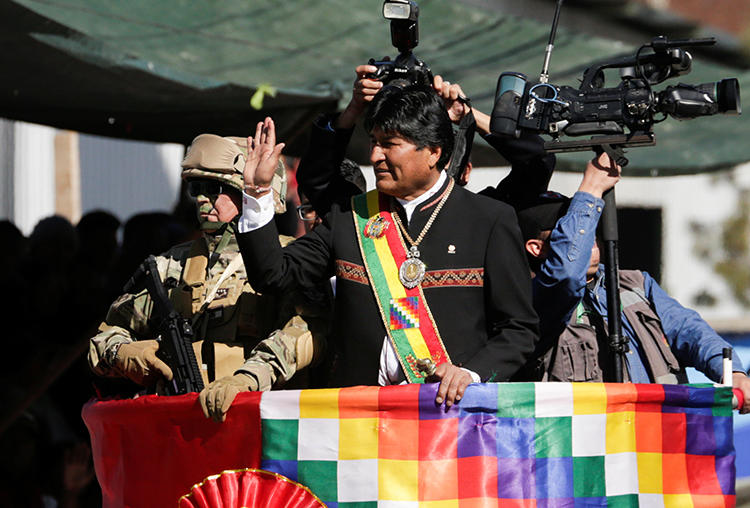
(608, 112)
(406, 69)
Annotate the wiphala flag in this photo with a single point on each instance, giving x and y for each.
(507, 444)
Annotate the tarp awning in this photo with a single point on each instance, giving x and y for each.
(169, 70)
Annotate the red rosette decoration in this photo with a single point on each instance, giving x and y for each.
(249, 488)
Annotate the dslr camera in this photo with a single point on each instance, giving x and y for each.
(623, 115)
(406, 69)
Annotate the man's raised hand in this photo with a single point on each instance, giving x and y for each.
(262, 158)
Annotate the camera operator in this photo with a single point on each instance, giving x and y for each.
(531, 166)
(319, 175)
(569, 294)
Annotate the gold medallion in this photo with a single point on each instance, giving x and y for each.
(412, 271)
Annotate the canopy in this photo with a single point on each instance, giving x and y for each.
(169, 70)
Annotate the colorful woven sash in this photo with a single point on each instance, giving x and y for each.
(406, 316)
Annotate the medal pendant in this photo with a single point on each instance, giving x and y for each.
(412, 270)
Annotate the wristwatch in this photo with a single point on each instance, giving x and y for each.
(110, 355)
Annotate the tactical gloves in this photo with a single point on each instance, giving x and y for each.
(137, 361)
(272, 362)
(216, 398)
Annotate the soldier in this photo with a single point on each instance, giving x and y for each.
(207, 284)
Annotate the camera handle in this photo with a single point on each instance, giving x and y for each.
(462, 144)
(618, 346)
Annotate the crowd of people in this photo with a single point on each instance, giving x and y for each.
(58, 284)
(418, 280)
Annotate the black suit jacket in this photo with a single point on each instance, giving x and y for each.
(477, 286)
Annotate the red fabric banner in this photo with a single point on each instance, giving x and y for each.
(150, 451)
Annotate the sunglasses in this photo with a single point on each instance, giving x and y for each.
(208, 188)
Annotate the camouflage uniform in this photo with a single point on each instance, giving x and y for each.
(275, 360)
(236, 319)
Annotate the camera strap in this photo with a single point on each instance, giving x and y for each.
(463, 141)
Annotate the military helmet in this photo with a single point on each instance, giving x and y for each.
(223, 159)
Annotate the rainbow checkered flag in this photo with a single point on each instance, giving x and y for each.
(543, 445)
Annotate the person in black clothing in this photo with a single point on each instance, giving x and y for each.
(477, 285)
(318, 179)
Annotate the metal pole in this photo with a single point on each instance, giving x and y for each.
(544, 75)
(609, 233)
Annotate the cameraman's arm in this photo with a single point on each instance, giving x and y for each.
(318, 174)
(363, 91)
(456, 104)
(691, 338)
(531, 166)
(561, 279)
(454, 98)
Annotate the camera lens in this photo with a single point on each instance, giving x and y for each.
(728, 96)
(507, 108)
(690, 101)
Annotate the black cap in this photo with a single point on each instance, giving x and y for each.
(543, 214)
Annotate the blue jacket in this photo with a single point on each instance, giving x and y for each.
(560, 285)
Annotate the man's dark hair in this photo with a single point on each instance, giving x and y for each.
(417, 114)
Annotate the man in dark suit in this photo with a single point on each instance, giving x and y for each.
(433, 283)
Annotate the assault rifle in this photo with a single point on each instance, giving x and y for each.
(174, 332)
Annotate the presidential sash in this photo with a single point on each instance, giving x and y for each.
(406, 316)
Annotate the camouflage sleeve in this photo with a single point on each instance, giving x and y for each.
(126, 321)
(301, 342)
(276, 359)
(102, 346)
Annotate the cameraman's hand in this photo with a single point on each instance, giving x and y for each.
(450, 94)
(601, 174)
(363, 91)
(262, 158)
